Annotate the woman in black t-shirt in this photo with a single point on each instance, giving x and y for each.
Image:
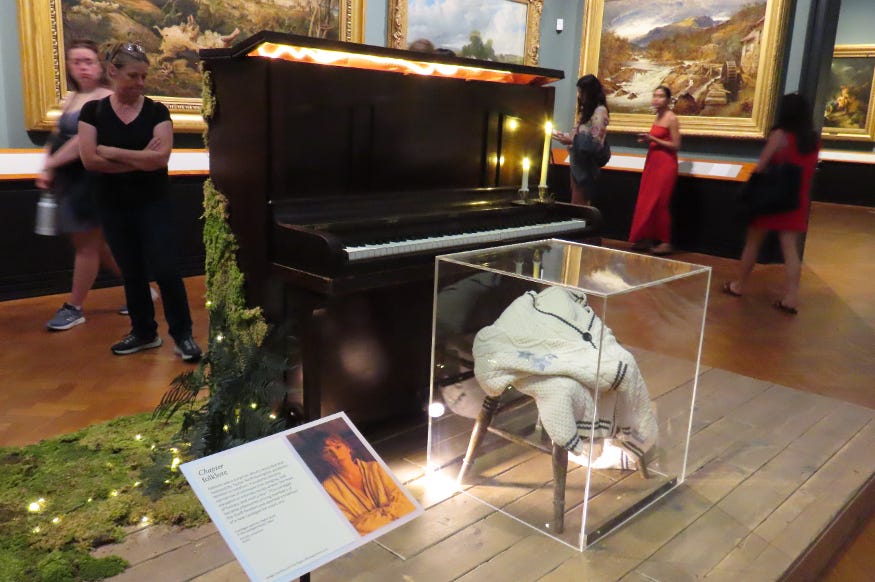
(127, 138)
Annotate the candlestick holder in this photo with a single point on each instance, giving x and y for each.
(523, 196)
(544, 195)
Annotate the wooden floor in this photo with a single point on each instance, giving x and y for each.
(57, 382)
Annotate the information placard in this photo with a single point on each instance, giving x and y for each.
(290, 502)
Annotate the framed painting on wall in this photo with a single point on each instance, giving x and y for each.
(850, 98)
(496, 30)
(170, 32)
(720, 58)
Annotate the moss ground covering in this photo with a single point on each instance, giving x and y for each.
(90, 487)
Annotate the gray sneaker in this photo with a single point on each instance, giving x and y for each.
(188, 350)
(66, 317)
(131, 344)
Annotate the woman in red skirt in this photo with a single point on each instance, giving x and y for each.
(792, 140)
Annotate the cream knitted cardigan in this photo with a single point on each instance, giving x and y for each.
(552, 346)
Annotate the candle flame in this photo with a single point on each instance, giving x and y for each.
(526, 163)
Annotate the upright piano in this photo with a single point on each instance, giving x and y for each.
(348, 169)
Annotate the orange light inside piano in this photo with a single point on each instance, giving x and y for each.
(404, 66)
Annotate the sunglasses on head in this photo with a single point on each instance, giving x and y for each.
(130, 48)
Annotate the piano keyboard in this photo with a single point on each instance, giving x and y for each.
(404, 247)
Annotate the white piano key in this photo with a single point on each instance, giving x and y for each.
(398, 248)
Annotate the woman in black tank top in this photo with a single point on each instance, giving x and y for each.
(127, 138)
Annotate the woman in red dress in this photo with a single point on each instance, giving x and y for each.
(792, 140)
(651, 224)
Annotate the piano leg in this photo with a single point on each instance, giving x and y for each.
(367, 354)
(310, 361)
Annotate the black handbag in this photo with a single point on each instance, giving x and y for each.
(602, 155)
(772, 192)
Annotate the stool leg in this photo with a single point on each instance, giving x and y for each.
(642, 466)
(560, 470)
(484, 419)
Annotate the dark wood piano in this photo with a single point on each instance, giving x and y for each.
(348, 168)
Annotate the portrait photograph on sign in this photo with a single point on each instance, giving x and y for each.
(719, 58)
(290, 502)
(357, 483)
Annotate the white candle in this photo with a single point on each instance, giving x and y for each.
(545, 158)
(526, 165)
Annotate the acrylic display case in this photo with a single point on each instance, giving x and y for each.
(550, 346)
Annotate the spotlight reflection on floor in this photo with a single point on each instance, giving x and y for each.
(436, 409)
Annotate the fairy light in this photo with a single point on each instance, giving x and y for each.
(138, 437)
(113, 493)
(89, 500)
(219, 338)
(226, 428)
(209, 303)
(36, 530)
(175, 463)
(137, 483)
(56, 520)
(272, 416)
(34, 507)
(144, 520)
(152, 448)
(174, 450)
(253, 406)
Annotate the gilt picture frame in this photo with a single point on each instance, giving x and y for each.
(515, 25)
(170, 38)
(720, 58)
(850, 101)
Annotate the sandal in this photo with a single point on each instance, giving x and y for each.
(727, 288)
(662, 250)
(779, 305)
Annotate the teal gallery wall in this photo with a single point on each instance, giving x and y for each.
(558, 51)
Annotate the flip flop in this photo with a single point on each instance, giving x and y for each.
(727, 288)
(779, 305)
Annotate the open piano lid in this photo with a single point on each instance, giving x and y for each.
(269, 44)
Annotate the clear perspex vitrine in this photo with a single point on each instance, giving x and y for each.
(563, 381)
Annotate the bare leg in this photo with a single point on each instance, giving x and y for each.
(85, 264)
(792, 266)
(755, 238)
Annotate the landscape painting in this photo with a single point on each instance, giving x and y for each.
(493, 30)
(850, 110)
(718, 57)
(173, 31)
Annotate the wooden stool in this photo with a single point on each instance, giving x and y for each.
(491, 407)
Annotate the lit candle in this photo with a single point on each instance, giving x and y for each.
(526, 165)
(548, 134)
